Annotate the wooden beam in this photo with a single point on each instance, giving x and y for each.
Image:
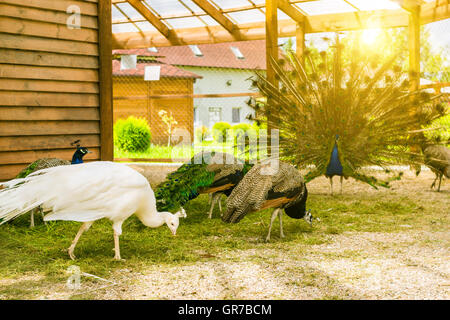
(291, 11)
(271, 54)
(414, 46)
(300, 41)
(286, 28)
(271, 38)
(431, 12)
(154, 20)
(214, 13)
(105, 80)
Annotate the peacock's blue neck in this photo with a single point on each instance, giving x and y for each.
(77, 157)
(334, 167)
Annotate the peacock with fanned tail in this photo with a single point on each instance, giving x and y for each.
(335, 119)
(213, 173)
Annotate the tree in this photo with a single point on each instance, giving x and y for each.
(170, 121)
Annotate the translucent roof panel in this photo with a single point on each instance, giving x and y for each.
(209, 21)
(247, 16)
(228, 4)
(124, 27)
(116, 14)
(195, 8)
(190, 22)
(325, 7)
(167, 7)
(374, 5)
(145, 26)
(130, 11)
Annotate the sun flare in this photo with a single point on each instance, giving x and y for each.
(370, 36)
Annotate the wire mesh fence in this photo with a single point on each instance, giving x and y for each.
(184, 94)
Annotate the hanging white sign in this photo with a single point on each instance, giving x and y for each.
(152, 73)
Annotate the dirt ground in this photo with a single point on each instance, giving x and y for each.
(412, 264)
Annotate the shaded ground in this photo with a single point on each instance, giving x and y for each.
(369, 244)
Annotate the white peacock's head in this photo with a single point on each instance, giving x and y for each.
(173, 220)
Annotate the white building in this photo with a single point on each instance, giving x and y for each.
(225, 69)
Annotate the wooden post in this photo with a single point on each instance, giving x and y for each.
(414, 47)
(105, 80)
(271, 38)
(300, 41)
(271, 52)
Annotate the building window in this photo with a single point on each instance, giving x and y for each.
(196, 50)
(237, 53)
(236, 115)
(215, 115)
(195, 115)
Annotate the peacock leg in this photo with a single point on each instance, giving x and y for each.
(331, 185)
(32, 218)
(272, 219)
(84, 227)
(280, 216)
(42, 214)
(215, 197)
(342, 178)
(117, 227)
(220, 205)
(440, 180)
(434, 182)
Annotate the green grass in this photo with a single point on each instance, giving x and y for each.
(42, 250)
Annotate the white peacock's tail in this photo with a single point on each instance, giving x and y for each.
(17, 198)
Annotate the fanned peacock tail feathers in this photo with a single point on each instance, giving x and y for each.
(369, 106)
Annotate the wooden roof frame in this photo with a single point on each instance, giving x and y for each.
(228, 31)
(214, 13)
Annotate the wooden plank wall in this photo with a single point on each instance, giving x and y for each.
(49, 82)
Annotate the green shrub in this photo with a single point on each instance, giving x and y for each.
(219, 131)
(132, 134)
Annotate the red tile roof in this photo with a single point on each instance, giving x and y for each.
(140, 52)
(167, 70)
(217, 55)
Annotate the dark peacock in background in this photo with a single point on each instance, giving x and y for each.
(213, 173)
(436, 156)
(335, 119)
(45, 163)
(269, 186)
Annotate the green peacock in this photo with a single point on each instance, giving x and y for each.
(212, 173)
(335, 119)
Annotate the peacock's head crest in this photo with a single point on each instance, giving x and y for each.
(79, 154)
